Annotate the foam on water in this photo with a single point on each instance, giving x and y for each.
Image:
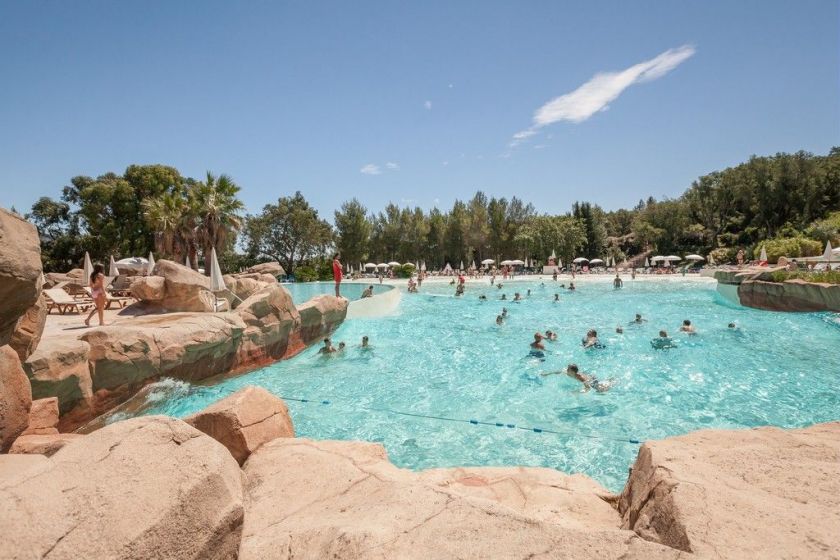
(444, 356)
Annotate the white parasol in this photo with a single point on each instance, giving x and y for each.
(647, 263)
(382, 265)
(580, 260)
(673, 258)
(694, 258)
(488, 261)
(394, 263)
(517, 262)
(217, 283)
(763, 256)
(88, 267)
(596, 261)
(187, 261)
(827, 255)
(150, 266)
(112, 268)
(423, 266)
(462, 266)
(370, 265)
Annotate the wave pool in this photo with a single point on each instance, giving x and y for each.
(442, 361)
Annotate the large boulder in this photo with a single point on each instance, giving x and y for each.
(184, 289)
(15, 398)
(242, 288)
(151, 487)
(43, 417)
(320, 316)
(59, 368)
(244, 421)
(330, 499)
(42, 444)
(761, 493)
(272, 268)
(791, 295)
(272, 322)
(29, 328)
(149, 288)
(20, 270)
(190, 346)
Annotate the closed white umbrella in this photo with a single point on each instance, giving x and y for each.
(560, 263)
(150, 266)
(472, 266)
(217, 282)
(553, 255)
(826, 255)
(647, 262)
(187, 261)
(488, 261)
(580, 260)
(462, 266)
(417, 265)
(88, 267)
(612, 261)
(112, 268)
(763, 256)
(423, 266)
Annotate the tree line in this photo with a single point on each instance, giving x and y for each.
(154, 208)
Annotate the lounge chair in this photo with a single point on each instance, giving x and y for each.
(64, 302)
(111, 300)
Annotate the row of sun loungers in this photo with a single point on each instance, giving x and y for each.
(67, 297)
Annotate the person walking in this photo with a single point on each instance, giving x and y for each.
(97, 292)
(337, 274)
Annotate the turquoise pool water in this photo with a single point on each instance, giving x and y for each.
(445, 357)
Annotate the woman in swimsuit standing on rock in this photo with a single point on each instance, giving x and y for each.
(97, 292)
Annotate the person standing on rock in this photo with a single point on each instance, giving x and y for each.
(337, 274)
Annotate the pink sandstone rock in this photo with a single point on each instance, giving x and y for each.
(59, 368)
(20, 271)
(29, 328)
(791, 295)
(320, 316)
(331, 499)
(270, 318)
(42, 444)
(760, 493)
(149, 288)
(244, 421)
(150, 487)
(43, 417)
(272, 268)
(15, 398)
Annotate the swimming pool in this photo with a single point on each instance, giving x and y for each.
(303, 291)
(445, 357)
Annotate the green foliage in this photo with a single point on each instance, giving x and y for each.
(723, 255)
(306, 273)
(826, 230)
(824, 277)
(403, 271)
(352, 231)
(789, 247)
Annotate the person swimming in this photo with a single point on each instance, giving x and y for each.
(619, 329)
(528, 294)
(537, 347)
(589, 381)
(517, 297)
(499, 285)
(341, 346)
(500, 320)
(327, 348)
(663, 341)
(556, 297)
(572, 286)
(482, 297)
(687, 327)
(638, 320)
(617, 282)
(591, 340)
(366, 343)
(504, 297)
(368, 292)
(504, 312)
(550, 335)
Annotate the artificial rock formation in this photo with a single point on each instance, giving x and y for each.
(59, 368)
(20, 271)
(43, 417)
(15, 398)
(319, 316)
(761, 493)
(332, 499)
(29, 328)
(272, 324)
(244, 421)
(42, 444)
(790, 295)
(150, 487)
(183, 289)
(272, 268)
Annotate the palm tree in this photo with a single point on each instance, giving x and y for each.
(163, 214)
(216, 209)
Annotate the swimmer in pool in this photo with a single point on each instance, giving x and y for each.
(517, 297)
(550, 335)
(663, 341)
(327, 348)
(504, 297)
(556, 297)
(529, 293)
(687, 327)
(537, 345)
(366, 343)
(500, 320)
(589, 381)
(341, 346)
(504, 312)
(619, 329)
(572, 286)
(638, 320)
(482, 297)
(591, 340)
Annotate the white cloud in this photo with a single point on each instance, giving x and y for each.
(428, 105)
(371, 169)
(392, 166)
(604, 88)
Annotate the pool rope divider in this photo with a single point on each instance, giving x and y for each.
(472, 421)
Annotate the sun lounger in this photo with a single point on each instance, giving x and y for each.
(112, 300)
(64, 302)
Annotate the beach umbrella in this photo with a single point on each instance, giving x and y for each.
(417, 265)
(473, 265)
(423, 266)
(217, 282)
(763, 256)
(187, 261)
(88, 266)
(560, 263)
(711, 259)
(394, 263)
(657, 258)
(596, 261)
(382, 265)
(517, 262)
(826, 255)
(151, 264)
(505, 263)
(462, 266)
(488, 261)
(346, 267)
(647, 263)
(370, 265)
(112, 268)
(410, 264)
(694, 258)
(553, 255)
(612, 261)
(673, 258)
(580, 260)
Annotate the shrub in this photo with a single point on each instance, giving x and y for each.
(305, 274)
(403, 271)
(789, 247)
(723, 255)
(831, 277)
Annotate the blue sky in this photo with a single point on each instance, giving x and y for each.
(425, 97)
